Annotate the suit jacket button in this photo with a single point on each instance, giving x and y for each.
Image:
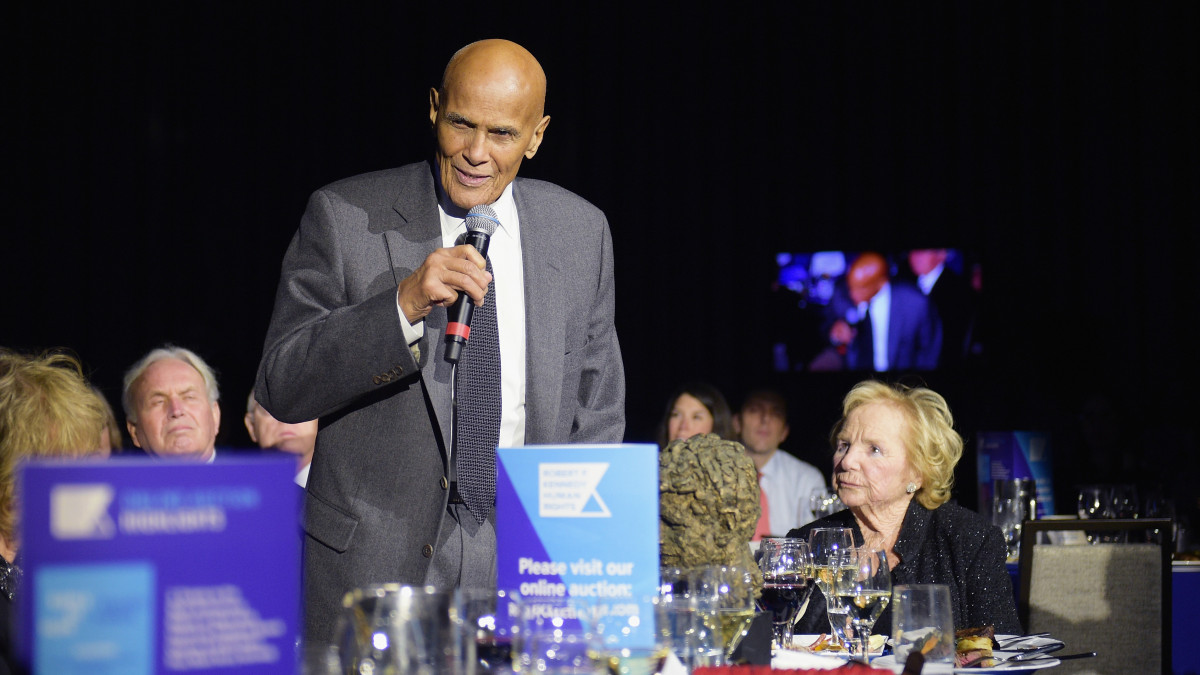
(427, 551)
(444, 483)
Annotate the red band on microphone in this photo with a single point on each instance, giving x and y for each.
(461, 330)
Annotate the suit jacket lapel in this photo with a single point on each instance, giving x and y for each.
(544, 323)
(408, 245)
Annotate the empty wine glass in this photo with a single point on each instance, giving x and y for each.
(827, 545)
(557, 639)
(824, 502)
(632, 638)
(788, 573)
(864, 586)
(1008, 514)
(398, 629)
(1094, 502)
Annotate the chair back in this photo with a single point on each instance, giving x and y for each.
(1114, 599)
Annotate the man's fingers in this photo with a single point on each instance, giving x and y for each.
(439, 280)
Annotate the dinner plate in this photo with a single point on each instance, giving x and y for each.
(889, 662)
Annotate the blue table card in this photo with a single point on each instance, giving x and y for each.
(580, 522)
(139, 566)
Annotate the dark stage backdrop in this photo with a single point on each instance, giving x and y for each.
(160, 156)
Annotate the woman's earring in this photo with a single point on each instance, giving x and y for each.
(912, 487)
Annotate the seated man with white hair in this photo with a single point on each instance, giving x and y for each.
(171, 409)
(299, 439)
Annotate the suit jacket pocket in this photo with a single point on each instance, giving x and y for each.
(328, 524)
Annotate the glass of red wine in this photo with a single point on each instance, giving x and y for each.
(788, 573)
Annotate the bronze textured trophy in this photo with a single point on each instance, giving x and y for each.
(709, 504)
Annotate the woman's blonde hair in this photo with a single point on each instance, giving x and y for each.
(47, 409)
(934, 447)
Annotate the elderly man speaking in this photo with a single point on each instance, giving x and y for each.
(403, 478)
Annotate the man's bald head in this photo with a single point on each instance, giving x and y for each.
(499, 60)
(488, 115)
(867, 275)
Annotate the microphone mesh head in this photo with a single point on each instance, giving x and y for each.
(482, 218)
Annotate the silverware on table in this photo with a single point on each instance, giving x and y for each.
(1030, 655)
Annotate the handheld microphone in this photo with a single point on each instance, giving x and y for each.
(481, 223)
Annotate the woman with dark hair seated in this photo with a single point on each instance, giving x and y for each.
(895, 449)
(695, 408)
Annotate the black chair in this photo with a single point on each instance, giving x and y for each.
(1111, 598)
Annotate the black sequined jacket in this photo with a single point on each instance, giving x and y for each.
(10, 576)
(949, 545)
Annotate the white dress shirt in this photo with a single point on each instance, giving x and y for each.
(789, 483)
(929, 279)
(504, 250)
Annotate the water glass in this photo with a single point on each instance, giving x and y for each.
(406, 630)
(731, 590)
(693, 629)
(922, 619)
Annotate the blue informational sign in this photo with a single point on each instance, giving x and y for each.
(581, 522)
(139, 566)
(1010, 455)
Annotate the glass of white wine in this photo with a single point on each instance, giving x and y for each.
(828, 545)
(731, 590)
(864, 586)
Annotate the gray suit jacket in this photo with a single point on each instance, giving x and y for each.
(335, 351)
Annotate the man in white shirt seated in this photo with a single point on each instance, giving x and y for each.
(786, 482)
(171, 408)
(268, 432)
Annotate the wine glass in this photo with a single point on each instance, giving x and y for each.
(631, 638)
(1094, 502)
(824, 502)
(864, 585)
(694, 632)
(1008, 514)
(493, 623)
(407, 630)
(731, 590)
(828, 544)
(788, 574)
(557, 638)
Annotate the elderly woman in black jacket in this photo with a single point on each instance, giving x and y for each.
(895, 449)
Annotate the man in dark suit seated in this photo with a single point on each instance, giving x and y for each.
(883, 324)
(402, 482)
